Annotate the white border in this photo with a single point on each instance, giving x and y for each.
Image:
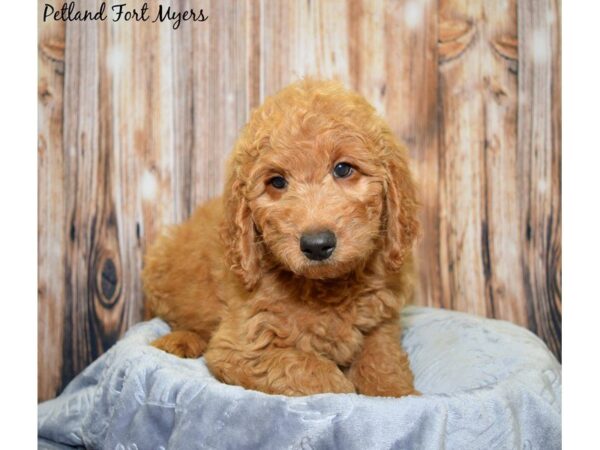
(581, 225)
(18, 235)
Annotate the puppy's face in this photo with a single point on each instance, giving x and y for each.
(317, 183)
(316, 199)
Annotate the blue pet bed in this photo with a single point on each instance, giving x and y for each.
(486, 384)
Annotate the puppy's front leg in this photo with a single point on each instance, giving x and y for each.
(183, 343)
(286, 371)
(382, 367)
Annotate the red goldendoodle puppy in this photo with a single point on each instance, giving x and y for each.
(292, 282)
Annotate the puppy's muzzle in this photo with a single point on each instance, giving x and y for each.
(318, 246)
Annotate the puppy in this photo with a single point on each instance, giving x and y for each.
(293, 281)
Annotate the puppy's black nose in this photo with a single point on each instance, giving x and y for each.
(318, 246)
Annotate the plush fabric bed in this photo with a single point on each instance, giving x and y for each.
(486, 384)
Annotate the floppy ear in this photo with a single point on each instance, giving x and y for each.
(239, 234)
(401, 205)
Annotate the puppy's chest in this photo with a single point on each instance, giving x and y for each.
(336, 331)
(330, 334)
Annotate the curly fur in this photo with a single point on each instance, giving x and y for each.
(234, 285)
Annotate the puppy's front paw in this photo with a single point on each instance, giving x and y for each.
(185, 344)
(385, 383)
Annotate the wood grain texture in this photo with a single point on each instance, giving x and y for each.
(136, 121)
(303, 38)
(479, 131)
(96, 314)
(462, 155)
(51, 206)
(539, 165)
(411, 106)
(500, 229)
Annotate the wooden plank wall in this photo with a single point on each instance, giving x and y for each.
(136, 120)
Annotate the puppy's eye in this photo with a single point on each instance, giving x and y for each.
(342, 170)
(278, 182)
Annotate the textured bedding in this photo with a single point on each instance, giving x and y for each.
(486, 384)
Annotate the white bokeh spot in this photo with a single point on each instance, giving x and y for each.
(540, 46)
(413, 14)
(115, 59)
(149, 185)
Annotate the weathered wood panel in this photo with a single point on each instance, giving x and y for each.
(95, 314)
(136, 121)
(462, 153)
(539, 165)
(303, 38)
(480, 205)
(500, 230)
(411, 106)
(51, 212)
